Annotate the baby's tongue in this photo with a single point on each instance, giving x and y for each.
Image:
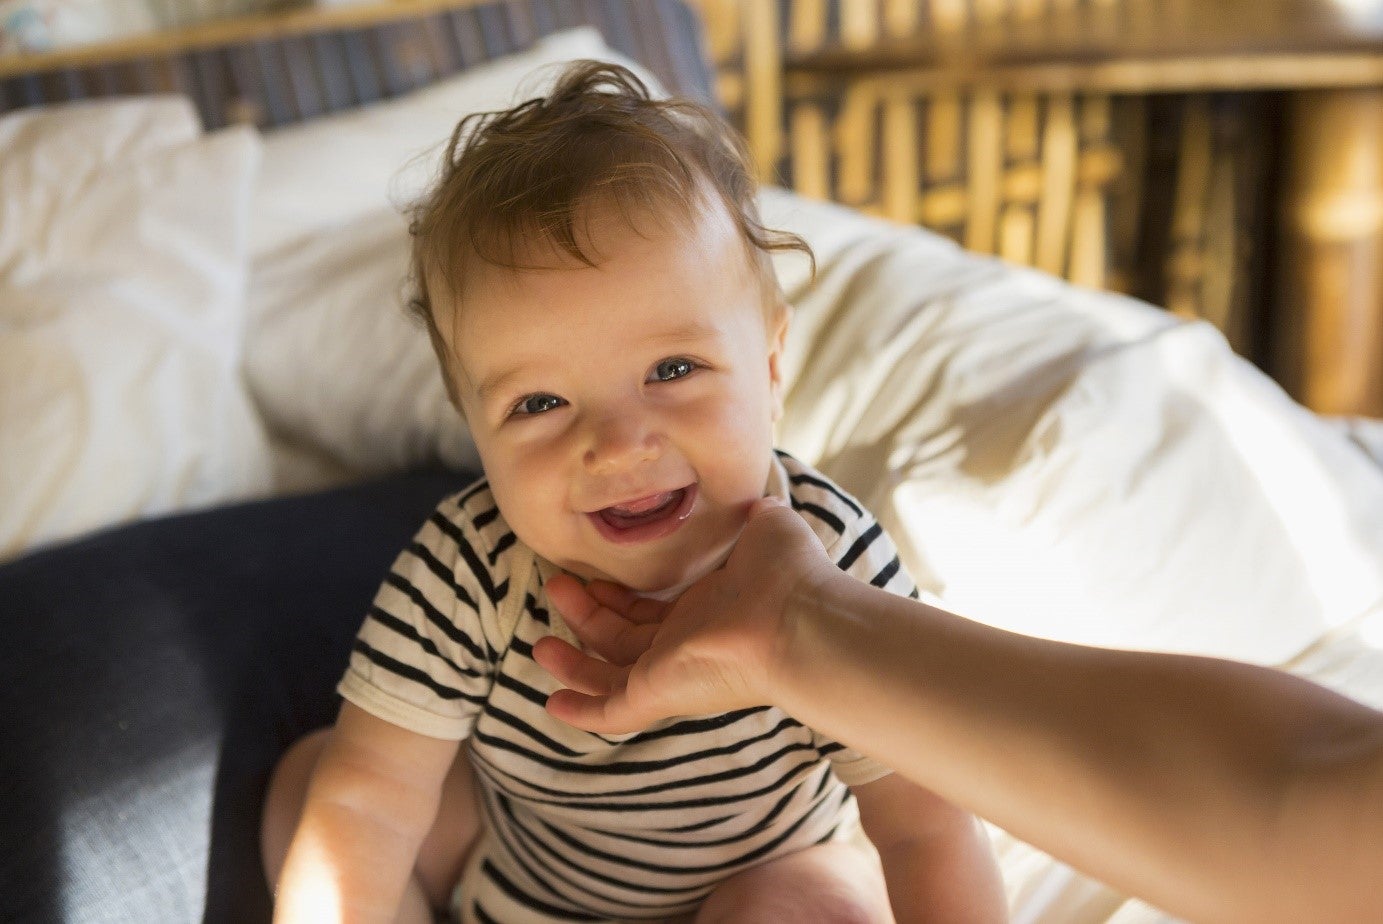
(642, 511)
(644, 505)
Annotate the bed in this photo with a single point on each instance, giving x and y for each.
(217, 427)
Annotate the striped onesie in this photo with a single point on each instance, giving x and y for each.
(580, 826)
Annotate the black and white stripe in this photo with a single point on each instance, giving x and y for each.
(584, 827)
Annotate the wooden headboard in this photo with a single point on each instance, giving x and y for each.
(279, 68)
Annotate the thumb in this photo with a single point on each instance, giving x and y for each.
(764, 504)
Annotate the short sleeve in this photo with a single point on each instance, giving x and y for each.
(852, 767)
(421, 659)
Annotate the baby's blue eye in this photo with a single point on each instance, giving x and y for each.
(670, 369)
(538, 404)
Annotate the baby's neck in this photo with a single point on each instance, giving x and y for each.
(669, 593)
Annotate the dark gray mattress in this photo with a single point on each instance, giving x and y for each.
(154, 673)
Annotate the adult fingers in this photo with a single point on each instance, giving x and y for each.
(627, 603)
(616, 596)
(600, 714)
(602, 629)
(575, 669)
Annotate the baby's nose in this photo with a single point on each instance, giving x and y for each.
(620, 441)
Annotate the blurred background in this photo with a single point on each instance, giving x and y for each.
(1220, 158)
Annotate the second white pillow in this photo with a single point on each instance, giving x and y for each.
(122, 284)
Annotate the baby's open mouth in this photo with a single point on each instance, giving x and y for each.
(642, 510)
(650, 517)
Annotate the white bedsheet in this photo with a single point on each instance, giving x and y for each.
(1071, 463)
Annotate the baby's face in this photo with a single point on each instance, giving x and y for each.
(624, 413)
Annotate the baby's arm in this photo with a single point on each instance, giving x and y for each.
(936, 857)
(373, 798)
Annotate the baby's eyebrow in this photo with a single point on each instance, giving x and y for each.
(494, 382)
(692, 330)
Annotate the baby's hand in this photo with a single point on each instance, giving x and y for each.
(714, 649)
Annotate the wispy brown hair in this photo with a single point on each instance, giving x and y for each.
(518, 182)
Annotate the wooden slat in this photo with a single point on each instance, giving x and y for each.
(1185, 266)
(523, 25)
(948, 16)
(1022, 179)
(985, 162)
(1058, 183)
(391, 66)
(990, 11)
(1127, 193)
(1089, 236)
(810, 145)
(328, 56)
(1098, 164)
(303, 86)
(1218, 303)
(1016, 231)
(901, 17)
(466, 31)
(854, 140)
(806, 25)
(269, 66)
(1022, 132)
(859, 23)
(1029, 11)
(616, 26)
(724, 29)
(763, 104)
(660, 25)
(900, 182)
(944, 201)
(360, 64)
(944, 120)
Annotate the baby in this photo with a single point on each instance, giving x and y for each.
(598, 289)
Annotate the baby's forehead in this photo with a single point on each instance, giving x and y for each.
(605, 238)
(646, 281)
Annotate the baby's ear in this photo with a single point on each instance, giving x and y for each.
(453, 397)
(779, 320)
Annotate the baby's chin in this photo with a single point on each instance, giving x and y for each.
(661, 583)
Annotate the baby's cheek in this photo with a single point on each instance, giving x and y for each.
(739, 455)
(741, 409)
(523, 492)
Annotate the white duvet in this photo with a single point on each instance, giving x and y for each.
(1052, 460)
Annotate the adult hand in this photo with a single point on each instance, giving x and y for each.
(715, 648)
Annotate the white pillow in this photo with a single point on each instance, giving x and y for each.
(122, 278)
(1070, 463)
(332, 359)
(336, 362)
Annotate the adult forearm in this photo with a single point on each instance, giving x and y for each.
(1191, 782)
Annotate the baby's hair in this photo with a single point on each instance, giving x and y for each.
(516, 183)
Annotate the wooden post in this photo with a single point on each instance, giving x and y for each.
(1329, 348)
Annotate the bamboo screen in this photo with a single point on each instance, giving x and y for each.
(1162, 197)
